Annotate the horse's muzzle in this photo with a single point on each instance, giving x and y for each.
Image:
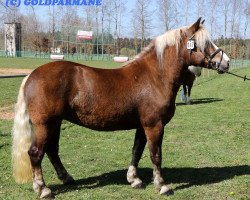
(222, 67)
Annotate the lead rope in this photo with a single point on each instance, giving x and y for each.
(243, 77)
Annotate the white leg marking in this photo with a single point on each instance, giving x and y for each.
(132, 177)
(131, 174)
(37, 185)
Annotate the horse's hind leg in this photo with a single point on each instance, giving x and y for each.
(36, 153)
(139, 145)
(154, 138)
(52, 150)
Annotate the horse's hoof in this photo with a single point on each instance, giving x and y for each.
(137, 183)
(46, 193)
(37, 186)
(69, 180)
(166, 191)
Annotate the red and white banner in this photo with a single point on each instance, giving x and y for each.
(86, 35)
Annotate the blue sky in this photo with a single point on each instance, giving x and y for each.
(157, 27)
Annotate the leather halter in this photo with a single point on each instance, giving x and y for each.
(215, 65)
(211, 64)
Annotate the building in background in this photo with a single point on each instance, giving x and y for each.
(13, 42)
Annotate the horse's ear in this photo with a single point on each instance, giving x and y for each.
(195, 27)
(203, 21)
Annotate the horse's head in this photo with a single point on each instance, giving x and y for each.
(199, 50)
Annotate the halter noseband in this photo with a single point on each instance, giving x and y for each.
(211, 63)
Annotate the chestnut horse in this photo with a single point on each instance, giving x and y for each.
(188, 82)
(140, 95)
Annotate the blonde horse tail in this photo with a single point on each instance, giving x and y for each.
(22, 135)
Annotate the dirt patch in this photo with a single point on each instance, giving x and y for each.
(4, 71)
(7, 115)
(7, 112)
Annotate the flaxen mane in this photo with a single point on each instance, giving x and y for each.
(171, 38)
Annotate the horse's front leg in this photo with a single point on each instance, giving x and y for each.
(154, 138)
(184, 94)
(139, 145)
(189, 88)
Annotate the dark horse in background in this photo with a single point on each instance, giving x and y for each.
(188, 82)
(140, 95)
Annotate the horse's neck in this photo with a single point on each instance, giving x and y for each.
(174, 76)
(170, 71)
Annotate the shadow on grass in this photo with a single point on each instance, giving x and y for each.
(3, 134)
(201, 101)
(3, 145)
(188, 177)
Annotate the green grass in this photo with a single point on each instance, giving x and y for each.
(8, 90)
(205, 150)
(32, 63)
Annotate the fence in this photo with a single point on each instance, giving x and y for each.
(76, 56)
(236, 63)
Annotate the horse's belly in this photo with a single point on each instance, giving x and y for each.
(104, 122)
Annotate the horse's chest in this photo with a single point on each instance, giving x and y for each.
(168, 113)
(151, 114)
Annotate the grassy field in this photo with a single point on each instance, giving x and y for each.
(206, 150)
(32, 63)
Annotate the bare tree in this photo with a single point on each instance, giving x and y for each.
(233, 29)
(167, 12)
(142, 17)
(246, 55)
(9, 14)
(109, 12)
(186, 7)
(212, 9)
(70, 19)
(54, 22)
(200, 6)
(103, 13)
(136, 35)
(32, 27)
(225, 10)
(118, 10)
(97, 10)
